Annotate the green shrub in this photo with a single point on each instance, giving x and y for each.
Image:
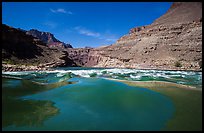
(178, 64)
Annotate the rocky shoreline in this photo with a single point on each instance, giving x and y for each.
(14, 68)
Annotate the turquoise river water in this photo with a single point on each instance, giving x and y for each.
(84, 99)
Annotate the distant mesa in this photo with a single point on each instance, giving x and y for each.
(48, 38)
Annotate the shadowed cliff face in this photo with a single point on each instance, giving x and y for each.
(18, 48)
(17, 43)
(173, 41)
(80, 56)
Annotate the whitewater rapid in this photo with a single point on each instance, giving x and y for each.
(180, 77)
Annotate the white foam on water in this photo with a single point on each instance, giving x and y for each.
(59, 74)
(135, 77)
(134, 74)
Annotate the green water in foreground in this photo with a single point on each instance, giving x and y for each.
(67, 101)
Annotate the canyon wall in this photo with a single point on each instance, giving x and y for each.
(173, 41)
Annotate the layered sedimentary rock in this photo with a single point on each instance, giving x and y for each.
(20, 49)
(173, 41)
(79, 55)
(48, 38)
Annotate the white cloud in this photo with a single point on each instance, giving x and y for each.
(84, 31)
(106, 36)
(61, 10)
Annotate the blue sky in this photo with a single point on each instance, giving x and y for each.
(82, 23)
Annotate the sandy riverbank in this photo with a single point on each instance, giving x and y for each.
(187, 101)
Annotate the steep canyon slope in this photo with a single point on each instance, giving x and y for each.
(48, 38)
(173, 41)
(24, 52)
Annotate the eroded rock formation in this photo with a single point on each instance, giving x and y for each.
(79, 55)
(23, 52)
(48, 39)
(174, 37)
